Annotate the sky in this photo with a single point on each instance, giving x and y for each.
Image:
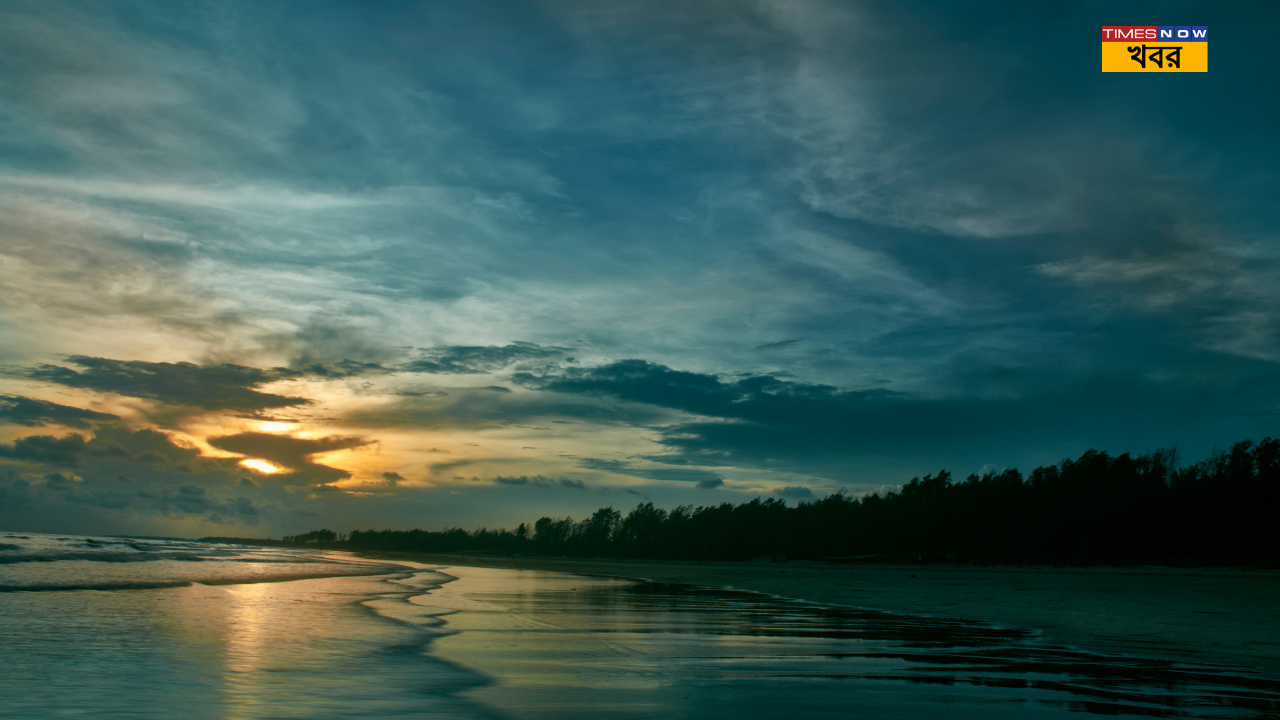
(271, 267)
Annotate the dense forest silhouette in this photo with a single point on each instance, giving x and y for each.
(1096, 509)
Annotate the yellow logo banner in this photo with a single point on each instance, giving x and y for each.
(1155, 57)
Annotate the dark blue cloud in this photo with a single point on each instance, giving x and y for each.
(117, 478)
(66, 451)
(210, 387)
(108, 445)
(760, 398)
(795, 492)
(539, 481)
(30, 412)
(703, 478)
(767, 421)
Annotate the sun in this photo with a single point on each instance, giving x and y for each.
(260, 465)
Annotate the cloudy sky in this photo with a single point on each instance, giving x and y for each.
(267, 267)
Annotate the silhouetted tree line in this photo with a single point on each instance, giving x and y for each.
(1094, 509)
(316, 536)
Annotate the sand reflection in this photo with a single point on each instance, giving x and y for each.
(249, 615)
(313, 649)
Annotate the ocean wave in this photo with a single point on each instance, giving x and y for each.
(142, 556)
(213, 580)
(46, 563)
(54, 587)
(107, 557)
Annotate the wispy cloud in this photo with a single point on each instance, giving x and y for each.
(672, 249)
(468, 360)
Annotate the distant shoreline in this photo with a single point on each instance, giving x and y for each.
(1208, 615)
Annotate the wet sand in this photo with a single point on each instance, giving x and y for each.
(1200, 615)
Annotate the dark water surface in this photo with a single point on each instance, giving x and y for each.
(566, 646)
(115, 628)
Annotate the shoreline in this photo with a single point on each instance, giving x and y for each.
(1205, 615)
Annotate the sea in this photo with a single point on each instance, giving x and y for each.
(113, 627)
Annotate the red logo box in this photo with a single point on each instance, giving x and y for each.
(1128, 33)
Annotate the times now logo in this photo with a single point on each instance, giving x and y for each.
(1184, 33)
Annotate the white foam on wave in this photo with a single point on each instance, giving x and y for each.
(38, 563)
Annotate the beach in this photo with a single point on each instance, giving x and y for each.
(156, 628)
(1208, 615)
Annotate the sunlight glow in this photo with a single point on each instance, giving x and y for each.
(274, 427)
(260, 465)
